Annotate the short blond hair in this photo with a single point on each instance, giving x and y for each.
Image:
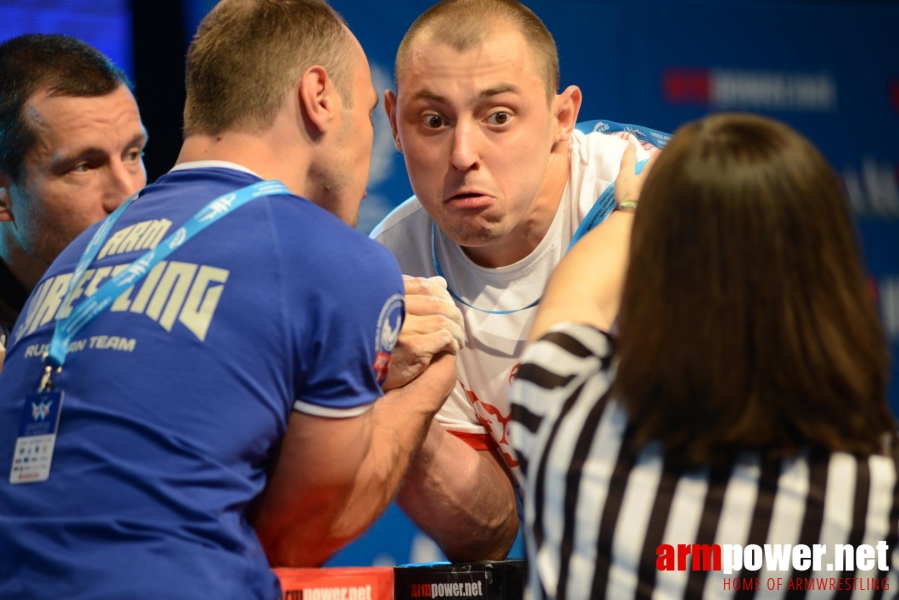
(248, 54)
(463, 24)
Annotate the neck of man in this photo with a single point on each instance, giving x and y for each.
(530, 231)
(269, 154)
(27, 269)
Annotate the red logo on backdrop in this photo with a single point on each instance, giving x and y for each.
(686, 86)
(894, 94)
(808, 91)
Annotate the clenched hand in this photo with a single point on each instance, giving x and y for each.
(433, 325)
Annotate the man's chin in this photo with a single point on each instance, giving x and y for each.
(475, 236)
(46, 256)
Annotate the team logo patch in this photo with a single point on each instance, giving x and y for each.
(390, 322)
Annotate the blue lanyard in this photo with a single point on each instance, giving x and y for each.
(453, 293)
(95, 305)
(601, 209)
(657, 138)
(605, 204)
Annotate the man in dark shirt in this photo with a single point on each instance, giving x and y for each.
(71, 147)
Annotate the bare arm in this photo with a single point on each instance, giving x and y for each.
(586, 286)
(334, 477)
(462, 498)
(580, 291)
(401, 420)
(309, 486)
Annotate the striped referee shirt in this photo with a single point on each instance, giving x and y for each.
(598, 512)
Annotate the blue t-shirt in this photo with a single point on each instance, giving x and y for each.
(176, 397)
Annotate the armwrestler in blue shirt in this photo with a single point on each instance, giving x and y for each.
(220, 417)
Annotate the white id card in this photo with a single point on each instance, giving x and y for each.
(37, 437)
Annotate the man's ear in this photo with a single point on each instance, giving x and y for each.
(317, 95)
(6, 214)
(566, 107)
(390, 107)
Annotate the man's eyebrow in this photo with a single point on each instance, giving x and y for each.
(139, 139)
(429, 95)
(502, 88)
(58, 159)
(499, 89)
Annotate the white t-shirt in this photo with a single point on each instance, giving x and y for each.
(478, 409)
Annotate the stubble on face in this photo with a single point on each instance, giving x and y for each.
(479, 173)
(85, 161)
(343, 183)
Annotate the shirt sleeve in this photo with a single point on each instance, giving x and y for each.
(345, 308)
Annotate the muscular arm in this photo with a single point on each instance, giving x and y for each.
(401, 420)
(462, 498)
(334, 477)
(586, 286)
(309, 486)
(580, 291)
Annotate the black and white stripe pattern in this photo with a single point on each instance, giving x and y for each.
(596, 508)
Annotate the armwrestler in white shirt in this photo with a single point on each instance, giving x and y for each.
(501, 183)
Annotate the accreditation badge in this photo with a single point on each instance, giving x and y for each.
(37, 437)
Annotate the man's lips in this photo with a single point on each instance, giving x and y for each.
(471, 199)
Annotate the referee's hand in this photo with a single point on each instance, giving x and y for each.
(433, 325)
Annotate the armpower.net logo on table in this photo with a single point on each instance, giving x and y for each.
(473, 589)
(330, 593)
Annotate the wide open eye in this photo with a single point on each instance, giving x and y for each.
(500, 118)
(433, 121)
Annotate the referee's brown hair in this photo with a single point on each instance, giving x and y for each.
(745, 305)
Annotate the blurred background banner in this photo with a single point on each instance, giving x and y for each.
(828, 68)
(104, 24)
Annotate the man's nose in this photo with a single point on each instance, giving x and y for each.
(123, 182)
(464, 155)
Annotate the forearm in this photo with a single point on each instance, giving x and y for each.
(303, 543)
(586, 286)
(334, 477)
(307, 488)
(397, 432)
(401, 420)
(462, 498)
